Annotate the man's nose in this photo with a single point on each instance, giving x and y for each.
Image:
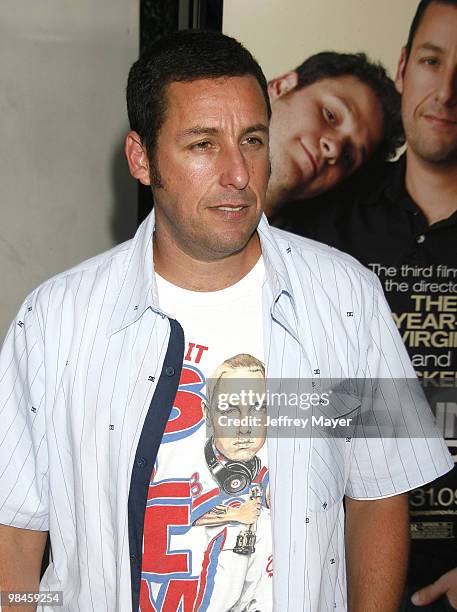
(234, 168)
(331, 147)
(447, 90)
(246, 429)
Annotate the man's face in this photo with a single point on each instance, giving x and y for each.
(212, 158)
(428, 84)
(238, 443)
(322, 133)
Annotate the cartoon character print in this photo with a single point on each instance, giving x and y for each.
(207, 544)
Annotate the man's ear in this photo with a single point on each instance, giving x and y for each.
(282, 85)
(399, 78)
(206, 414)
(137, 158)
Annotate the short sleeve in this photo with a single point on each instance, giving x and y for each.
(397, 446)
(23, 447)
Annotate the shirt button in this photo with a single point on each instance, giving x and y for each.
(170, 371)
(141, 462)
(132, 557)
(420, 239)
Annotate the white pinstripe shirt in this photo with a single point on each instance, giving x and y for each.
(79, 368)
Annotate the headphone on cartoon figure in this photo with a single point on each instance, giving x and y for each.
(232, 476)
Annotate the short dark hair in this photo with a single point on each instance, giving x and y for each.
(421, 8)
(331, 64)
(184, 56)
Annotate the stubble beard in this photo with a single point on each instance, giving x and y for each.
(154, 176)
(430, 150)
(200, 244)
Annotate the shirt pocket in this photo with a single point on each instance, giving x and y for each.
(332, 430)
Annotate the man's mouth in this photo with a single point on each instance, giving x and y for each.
(440, 121)
(230, 208)
(243, 443)
(231, 211)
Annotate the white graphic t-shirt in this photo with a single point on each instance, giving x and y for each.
(207, 532)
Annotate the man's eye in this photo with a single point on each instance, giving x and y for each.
(253, 141)
(430, 61)
(231, 409)
(331, 117)
(202, 146)
(259, 408)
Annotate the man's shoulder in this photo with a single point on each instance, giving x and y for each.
(339, 217)
(96, 269)
(311, 254)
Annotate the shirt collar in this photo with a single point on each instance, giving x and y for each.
(275, 253)
(138, 289)
(274, 258)
(396, 191)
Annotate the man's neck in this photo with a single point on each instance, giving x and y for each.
(187, 272)
(432, 186)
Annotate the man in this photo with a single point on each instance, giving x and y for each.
(103, 374)
(232, 503)
(405, 229)
(331, 115)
